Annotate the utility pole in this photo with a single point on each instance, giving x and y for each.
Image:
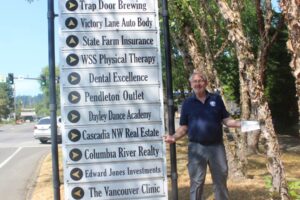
(15, 103)
(170, 100)
(53, 105)
(11, 81)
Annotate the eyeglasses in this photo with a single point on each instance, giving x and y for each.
(198, 81)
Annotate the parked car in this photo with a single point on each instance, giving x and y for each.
(42, 130)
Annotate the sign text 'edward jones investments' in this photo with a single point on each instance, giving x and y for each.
(111, 100)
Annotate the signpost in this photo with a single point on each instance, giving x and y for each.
(112, 102)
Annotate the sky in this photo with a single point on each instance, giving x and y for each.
(24, 42)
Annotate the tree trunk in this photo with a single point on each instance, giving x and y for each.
(237, 162)
(274, 164)
(253, 142)
(253, 79)
(264, 22)
(180, 44)
(291, 12)
(211, 72)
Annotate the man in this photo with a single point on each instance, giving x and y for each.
(202, 116)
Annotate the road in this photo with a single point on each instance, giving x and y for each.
(20, 156)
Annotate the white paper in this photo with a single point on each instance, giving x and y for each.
(249, 126)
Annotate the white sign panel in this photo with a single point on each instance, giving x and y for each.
(81, 173)
(109, 58)
(93, 115)
(249, 126)
(112, 95)
(114, 152)
(106, 40)
(110, 77)
(127, 189)
(112, 134)
(105, 22)
(108, 6)
(112, 100)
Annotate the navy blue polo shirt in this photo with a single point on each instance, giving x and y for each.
(204, 120)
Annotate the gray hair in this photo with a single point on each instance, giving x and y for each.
(197, 72)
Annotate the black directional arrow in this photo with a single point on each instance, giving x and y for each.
(72, 59)
(74, 97)
(71, 23)
(74, 116)
(74, 135)
(76, 174)
(72, 41)
(71, 5)
(77, 193)
(74, 78)
(75, 154)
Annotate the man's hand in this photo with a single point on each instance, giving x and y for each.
(179, 133)
(170, 139)
(232, 123)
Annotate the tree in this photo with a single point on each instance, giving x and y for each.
(280, 88)
(291, 10)
(252, 75)
(6, 100)
(205, 36)
(43, 108)
(202, 41)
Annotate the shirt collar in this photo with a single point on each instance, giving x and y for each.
(208, 95)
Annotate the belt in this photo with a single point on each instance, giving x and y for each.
(207, 143)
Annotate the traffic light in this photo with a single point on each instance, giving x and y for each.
(43, 80)
(11, 78)
(57, 79)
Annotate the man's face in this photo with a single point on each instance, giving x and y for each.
(198, 84)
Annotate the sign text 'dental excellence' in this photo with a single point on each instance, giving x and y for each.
(138, 76)
(112, 100)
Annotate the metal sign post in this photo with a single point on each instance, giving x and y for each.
(112, 100)
(53, 106)
(170, 100)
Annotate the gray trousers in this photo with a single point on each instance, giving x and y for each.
(201, 156)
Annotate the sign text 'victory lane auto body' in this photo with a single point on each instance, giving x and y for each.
(104, 22)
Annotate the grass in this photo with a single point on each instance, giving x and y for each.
(254, 188)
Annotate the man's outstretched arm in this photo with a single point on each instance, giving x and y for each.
(179, 133)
